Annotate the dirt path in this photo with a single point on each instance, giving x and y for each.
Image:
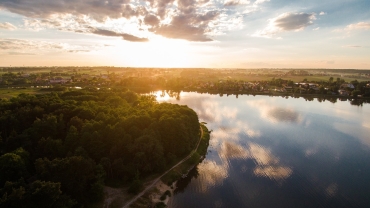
(158, 178)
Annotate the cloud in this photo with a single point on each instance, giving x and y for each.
(175, 30)
(358, 26)
(351, 28)
(287, 22)
(40, 24)
(190, 20)
(261, 1)
(188, 24)
(151, 20)
(21, 54)
(179, 20)
(236, 2)
(78, 51)
(79, 25)
(16, 44)
(7, 26)
(231, 3)
(293, 21)
(18, 47)
(352, 46)
(110, 33)
(322, 13)
(330, 62)
(99, 10)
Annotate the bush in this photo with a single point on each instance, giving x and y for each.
(168, 193)
(163, 197)
(135, 187)
(160, 205)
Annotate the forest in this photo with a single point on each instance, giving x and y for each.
(60, 149)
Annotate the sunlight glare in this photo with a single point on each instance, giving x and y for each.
(161, 96)
(158, 52)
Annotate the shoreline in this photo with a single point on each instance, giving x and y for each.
(279, 94)
(151, 195)
(212, 92)
(162, 186)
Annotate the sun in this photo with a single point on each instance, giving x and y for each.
(157, 52)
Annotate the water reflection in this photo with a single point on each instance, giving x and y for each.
(276, 114)
(233, 151)
(212, 174)
(332, 189)
(182, 183)
(354, 130)
(277, 152)
(284, 115)
(267, 165)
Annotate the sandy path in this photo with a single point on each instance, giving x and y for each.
(151, 184)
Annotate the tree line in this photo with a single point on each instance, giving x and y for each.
(59, 149)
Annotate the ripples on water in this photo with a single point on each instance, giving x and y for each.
(277, 152)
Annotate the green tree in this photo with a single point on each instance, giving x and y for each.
(12, 167)
(356, 93)
(47, 194)
(76, 175)
(136, 185)
(331, 79)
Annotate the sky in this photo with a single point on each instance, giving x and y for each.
(186, 33)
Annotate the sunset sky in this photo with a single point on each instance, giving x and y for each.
(186, 33)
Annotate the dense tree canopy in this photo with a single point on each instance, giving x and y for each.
(58, 149)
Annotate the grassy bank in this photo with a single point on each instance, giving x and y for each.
(157, 195)
(197, 157)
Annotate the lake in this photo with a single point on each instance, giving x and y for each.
(278, 152)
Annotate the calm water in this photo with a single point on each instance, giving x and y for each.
(277, 152)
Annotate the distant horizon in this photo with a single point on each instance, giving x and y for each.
(225, 68)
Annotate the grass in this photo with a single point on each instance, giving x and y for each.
(321, 78)
(7, 93)
(253, 78)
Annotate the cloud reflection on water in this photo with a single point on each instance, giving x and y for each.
(210, 111)
(235, 132)
(257, 141)
(354, 130)
(332, 189)
(267, 165)
(212, 174)
(276, 114)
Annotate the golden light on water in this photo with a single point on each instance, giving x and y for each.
(161, 96)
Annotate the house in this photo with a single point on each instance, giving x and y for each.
(347, 85)
(312, 85)
(58, 80)
(343, 92)
(288, 89)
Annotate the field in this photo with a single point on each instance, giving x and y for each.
(14, 92)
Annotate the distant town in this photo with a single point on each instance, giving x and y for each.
(349, 83)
